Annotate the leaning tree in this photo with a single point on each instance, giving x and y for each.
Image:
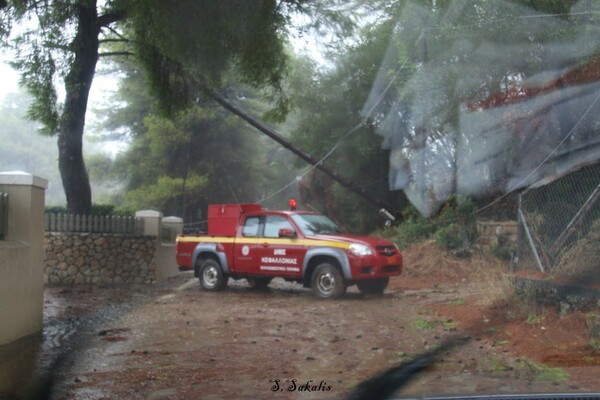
(185, 47)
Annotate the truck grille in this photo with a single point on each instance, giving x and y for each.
(386, 251)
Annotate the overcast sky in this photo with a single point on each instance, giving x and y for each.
(8, 77)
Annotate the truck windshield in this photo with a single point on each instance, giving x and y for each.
(315, 224)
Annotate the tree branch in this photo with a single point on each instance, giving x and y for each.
(110, 18)
(122, 40)
(116, 53)
(117, 34)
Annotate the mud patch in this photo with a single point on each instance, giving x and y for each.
(174, 340)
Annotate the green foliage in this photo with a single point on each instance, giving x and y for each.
(122, 115)
(207, 36)
(38, 77)
(414, 228)
(504, 248)
(181, 45)
(166, 191)
(59, 42)
(201, 155)
(503, 252)
(450, 237)
(185, 47)
(327, 107)
(453, 228)
(46, 48)
(457, 231)
(56, 209)
(457, 302)
(423, 325)
(179, 164)
(542, 372)
(189, 46)
(534, 319)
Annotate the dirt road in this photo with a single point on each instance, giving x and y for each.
(175, 341)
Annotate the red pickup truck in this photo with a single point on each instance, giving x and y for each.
(246, 242)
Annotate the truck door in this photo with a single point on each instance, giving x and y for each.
(281, 256)
(247, 248)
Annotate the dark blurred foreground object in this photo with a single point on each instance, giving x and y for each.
(535, 396)
(44, 387)
(384, 385)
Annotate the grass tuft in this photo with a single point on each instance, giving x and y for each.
(543, 372)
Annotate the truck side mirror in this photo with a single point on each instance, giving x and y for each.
(287, 233)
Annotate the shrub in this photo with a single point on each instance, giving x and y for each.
(504, 249)
(413, 229)
(453, 228)
(457, 230)
(450, 236)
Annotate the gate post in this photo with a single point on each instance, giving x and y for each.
(166, 264)
(22, 256)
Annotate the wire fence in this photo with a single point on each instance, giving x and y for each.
(560, 227)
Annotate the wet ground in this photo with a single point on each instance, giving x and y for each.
(175, 341)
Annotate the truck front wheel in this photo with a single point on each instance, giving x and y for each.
(373, 286)
(212, 276)
(327, 282)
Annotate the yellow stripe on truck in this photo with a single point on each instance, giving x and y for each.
(271, 241)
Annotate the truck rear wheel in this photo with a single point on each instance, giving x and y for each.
(212, 276)
(327, 282)
(373, 286)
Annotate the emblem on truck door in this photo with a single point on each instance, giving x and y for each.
(245, 250)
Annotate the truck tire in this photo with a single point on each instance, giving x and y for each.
(212, 276)
(327, 282)
(258, 283)
(373, 286)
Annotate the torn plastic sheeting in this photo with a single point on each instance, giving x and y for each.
(445, 138)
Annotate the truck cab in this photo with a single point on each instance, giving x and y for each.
(246, 242)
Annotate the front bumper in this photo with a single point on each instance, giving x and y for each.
(375, 266)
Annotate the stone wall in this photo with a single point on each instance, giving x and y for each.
(566, 297)
(99, 259)
(494, 233)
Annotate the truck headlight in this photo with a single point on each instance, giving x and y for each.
(360, 249)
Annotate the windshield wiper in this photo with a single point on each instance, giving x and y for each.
(384, 385)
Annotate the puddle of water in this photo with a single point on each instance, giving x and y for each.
(30, 361)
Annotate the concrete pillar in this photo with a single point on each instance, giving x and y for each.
(154, 223)
(22, 256)
(172, 226)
